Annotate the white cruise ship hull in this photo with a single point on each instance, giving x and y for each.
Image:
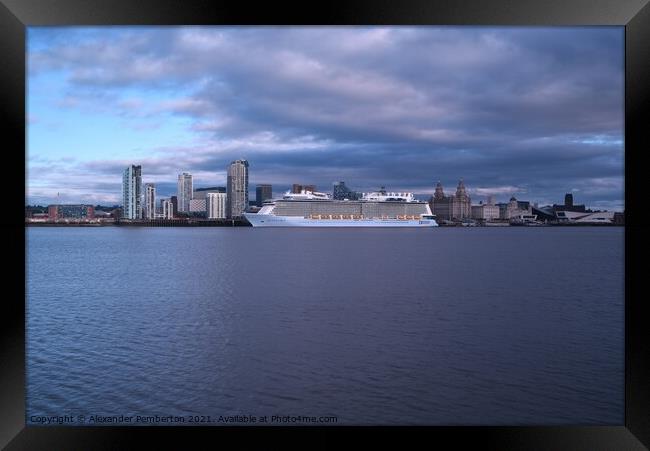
(262, 220)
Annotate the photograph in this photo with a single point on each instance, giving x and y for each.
(295, 226)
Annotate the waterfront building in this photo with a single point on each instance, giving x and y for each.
(454, 207)
(52, 212)
(132, 192)
(197, 206)
(70, 211)
(184, 191)
(601, 217)
(117, 213)
(439, 204)
(167, 209)
(342, 192)
(461, 206)
(216, 205)
(200, 193)
(485, 212)
(263, 192)
(297, 188)
(514, 209)
(101, 214)
(149, 201)
(39, 217)
(544, 213)
(237, 189)
(569, 206)
(174, 201)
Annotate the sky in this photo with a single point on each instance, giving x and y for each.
(530, 112)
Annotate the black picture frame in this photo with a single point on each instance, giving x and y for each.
(16, 15)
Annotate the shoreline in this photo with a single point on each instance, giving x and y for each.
(240, 223)
(153, 223)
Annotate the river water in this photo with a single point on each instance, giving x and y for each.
(446, 326)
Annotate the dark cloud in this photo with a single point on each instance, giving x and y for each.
(538, 110)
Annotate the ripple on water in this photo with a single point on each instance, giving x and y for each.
(374, 330)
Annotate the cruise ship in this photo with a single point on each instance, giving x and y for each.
(314, 209)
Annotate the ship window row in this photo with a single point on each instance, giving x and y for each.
(367, 210)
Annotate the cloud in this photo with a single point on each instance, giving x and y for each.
(532, 109)
(494, 190)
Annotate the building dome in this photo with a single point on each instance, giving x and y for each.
(439, 193)
(461, 193)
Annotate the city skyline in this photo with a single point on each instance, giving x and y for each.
(149, 201)
(530, 112)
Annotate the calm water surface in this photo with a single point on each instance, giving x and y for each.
(374, 326)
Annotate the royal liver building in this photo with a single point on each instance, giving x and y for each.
(454, 207)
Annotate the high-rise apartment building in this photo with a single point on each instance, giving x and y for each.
(200, 193)
(132, 192)
(167, 209)
(262, 193)
(149, 201)
(174, 201)
(216, 205)
(197, 206)
(185, 189)
(237, 189)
